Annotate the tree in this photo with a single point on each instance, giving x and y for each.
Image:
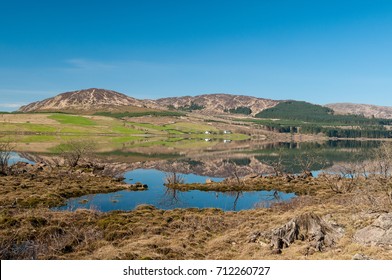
(383, 169)
(308, 161)
(278, 163)
(75, 151)
(6, 148)
(173, 178)
(232, 169)
(344, 178)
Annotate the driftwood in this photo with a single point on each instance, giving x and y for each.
(306, 227)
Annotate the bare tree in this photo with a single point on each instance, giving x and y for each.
(6, 148)
(307, 161)
(173, 178)
(277, 164)
(75, 151)
(343, 178)
(383, 169)
(232, 169)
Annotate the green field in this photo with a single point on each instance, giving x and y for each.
(51, 130)
(72, 120)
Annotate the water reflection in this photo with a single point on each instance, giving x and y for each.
(171, 197)
(236, 160)
(166, 198)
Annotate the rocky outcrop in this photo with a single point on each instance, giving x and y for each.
(379, 233)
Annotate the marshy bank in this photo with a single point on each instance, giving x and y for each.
(40, 185)
(30, 230)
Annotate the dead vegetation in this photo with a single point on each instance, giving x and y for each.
(6, 148)
(306, 228)
(150, 233)
(321, 223)
(41, 185)
(75, 151)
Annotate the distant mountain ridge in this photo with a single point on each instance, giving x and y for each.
(102, 99)
(383, 112)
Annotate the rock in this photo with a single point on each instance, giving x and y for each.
(138, 186)
(209, 181)
(384, 221)
(20, 164)
(377, 234)
(254, 236)
(306, 227)
(251, 176)
(119, 179)
(361, 257)
(306, 174)
(276, 251)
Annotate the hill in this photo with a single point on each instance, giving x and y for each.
(218, 103)
(308, 113)
(296, 110)
(92, 99)
(366, 110)
(99, 100)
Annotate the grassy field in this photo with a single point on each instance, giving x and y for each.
(72, 120)
(108, 132)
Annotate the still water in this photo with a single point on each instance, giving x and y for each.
(165, 198)
(246, 160)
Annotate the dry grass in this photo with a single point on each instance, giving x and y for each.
(44, 186)
(308, 186)
(29, 230)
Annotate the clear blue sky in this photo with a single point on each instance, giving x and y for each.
(317, 51)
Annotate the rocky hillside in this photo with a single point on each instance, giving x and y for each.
(383, 112)
(218, 103)
(83, 100)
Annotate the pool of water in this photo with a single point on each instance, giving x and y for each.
(166, 198)
(15, 157)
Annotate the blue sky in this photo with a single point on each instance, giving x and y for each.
(317, 51)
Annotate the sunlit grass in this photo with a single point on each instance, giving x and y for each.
(188, 127)
(72, 120)
(26, 127)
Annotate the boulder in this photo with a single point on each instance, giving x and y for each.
(379, 233)
(360, 257)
